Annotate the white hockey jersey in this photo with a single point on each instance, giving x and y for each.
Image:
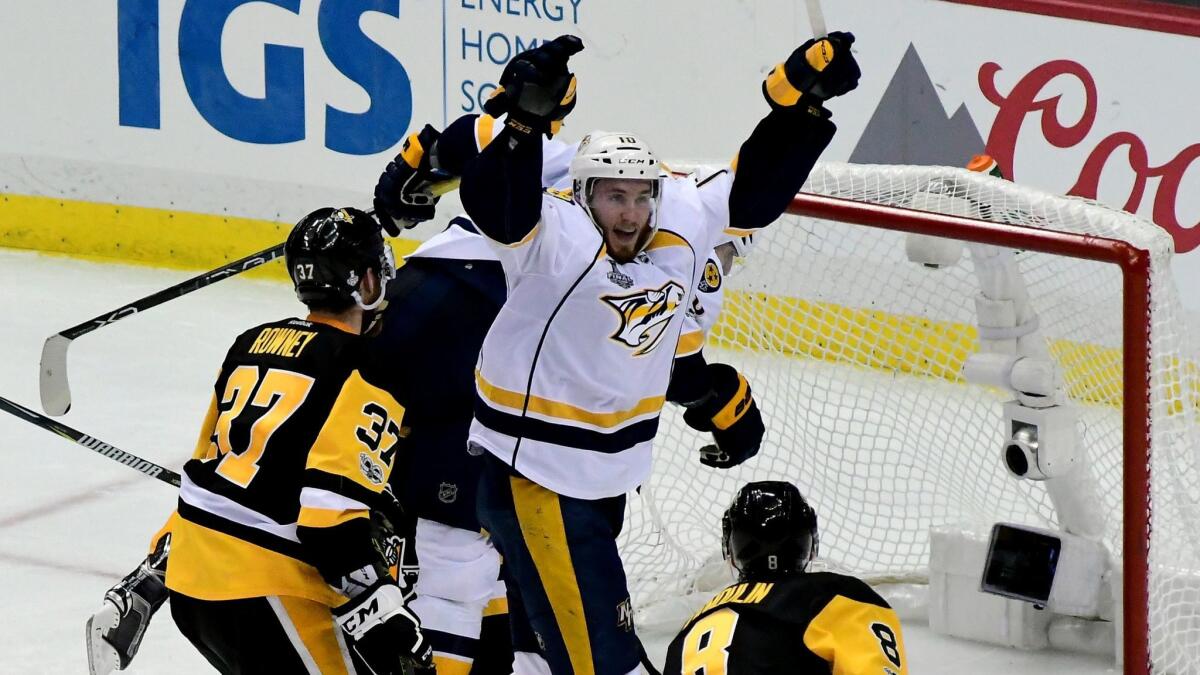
(573, 373)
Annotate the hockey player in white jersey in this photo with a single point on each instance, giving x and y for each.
(574, 371)
(457, 564)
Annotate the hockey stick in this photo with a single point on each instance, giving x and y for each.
(96, 445)
(54, 387)
(816, 18)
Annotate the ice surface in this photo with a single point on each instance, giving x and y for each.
(73, 522)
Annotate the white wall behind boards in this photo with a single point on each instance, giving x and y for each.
(266, 108)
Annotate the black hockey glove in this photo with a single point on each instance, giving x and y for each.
(817, 71)
(536, 89)
(390, 527)
(403, 195)
(730, 413)
(384, 632)
(115, 631)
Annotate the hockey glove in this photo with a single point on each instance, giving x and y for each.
(403, 197)
(115, 631)
(817, 71)
(390, 525)
(536, 89)
(384, 632)
(730, 413)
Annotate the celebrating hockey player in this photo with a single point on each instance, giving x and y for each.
(457, 563)
(574, 370)
(778, 617)
(272, 566)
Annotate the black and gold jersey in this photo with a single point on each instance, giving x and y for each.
(811, 623)
(297, 444)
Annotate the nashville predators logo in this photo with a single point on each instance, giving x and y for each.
(711, 280)
(645, 315)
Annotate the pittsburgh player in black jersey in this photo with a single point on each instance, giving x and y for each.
(272, 566)
(779, 618)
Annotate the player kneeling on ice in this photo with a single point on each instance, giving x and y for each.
(272, 566)
(574, 371)
(779, 617)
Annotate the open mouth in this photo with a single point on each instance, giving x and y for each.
(625, 234)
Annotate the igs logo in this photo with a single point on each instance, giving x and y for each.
(277, 116)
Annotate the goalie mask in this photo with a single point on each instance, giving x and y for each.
(328, 253)
(769, 531)
(615, 155)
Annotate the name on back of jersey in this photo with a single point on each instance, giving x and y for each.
(288, 342)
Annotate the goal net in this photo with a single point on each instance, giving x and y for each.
(855, 355)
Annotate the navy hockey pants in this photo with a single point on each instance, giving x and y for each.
(565, 581)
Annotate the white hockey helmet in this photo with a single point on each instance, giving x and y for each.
(613, 154)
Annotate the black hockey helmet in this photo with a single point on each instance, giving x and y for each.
(769, 531)
(330, 250)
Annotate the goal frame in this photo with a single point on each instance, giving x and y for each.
(1134, 264)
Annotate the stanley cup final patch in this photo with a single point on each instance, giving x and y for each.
(618, 277)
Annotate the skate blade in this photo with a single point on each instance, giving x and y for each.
(102, 658)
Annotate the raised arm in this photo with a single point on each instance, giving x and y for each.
(777, 157)
(501, 188)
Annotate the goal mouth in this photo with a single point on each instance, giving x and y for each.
(856, 353)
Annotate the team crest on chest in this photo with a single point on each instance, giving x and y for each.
(711, 280)
(645, 315)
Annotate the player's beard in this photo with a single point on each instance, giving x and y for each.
(623, 248)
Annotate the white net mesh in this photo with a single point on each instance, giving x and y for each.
(855, 355)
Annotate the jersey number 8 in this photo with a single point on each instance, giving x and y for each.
(706, 648)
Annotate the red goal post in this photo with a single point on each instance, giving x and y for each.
(1135, 271)
(856, 357)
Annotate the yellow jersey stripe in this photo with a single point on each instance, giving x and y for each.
(690, 343)
(201, 559)
(664, 239)
(496, 607)
(565, 411)
(540, 515)
(739, 231)
(484, 130)
(446, 664)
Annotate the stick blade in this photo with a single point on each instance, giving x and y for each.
(54, 387)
